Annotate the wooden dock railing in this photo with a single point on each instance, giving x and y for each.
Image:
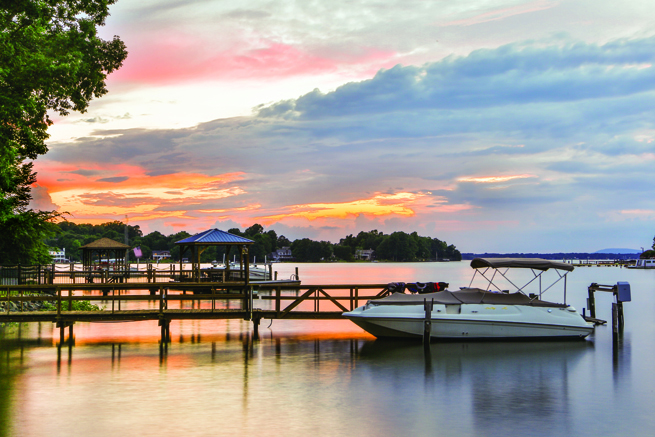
(166, 302)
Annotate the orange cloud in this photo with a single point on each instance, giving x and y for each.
(378, 205)
(98, 193)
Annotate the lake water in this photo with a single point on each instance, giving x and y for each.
(330, 378)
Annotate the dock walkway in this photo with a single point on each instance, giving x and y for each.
(208, 301)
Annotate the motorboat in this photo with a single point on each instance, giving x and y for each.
(485, 312)
(643, 264)
(256, 273)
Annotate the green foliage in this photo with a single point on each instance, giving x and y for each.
(265, 242)
(344, 253)
(29, 229)
(398, 246)
(282, 241)
(307, 250)
(78, 305)
(71, 236)
(51, 59)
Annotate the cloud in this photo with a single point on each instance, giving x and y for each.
(493, 179)
(525, 136)
(114, 179)
(41, 200)
(514, 74)
(500, 14)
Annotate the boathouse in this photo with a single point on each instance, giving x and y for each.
(198, 243)
(104, 250)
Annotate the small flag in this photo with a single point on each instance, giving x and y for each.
(137, 252)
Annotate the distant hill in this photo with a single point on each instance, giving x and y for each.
(618, 251)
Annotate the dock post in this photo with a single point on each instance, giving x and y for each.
(427, 323)
(591, 300)
(255, 325)
(615, 322)
(165, 325)
(297, 277)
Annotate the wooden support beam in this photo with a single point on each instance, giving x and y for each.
(298, 301)
(333, 300)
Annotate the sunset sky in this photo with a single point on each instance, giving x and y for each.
(498, 126)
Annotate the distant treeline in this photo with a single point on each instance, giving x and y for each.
(556, 256)
(398, 246)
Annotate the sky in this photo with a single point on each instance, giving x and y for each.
(495, 125)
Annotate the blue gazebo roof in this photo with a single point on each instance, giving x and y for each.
(215, 236)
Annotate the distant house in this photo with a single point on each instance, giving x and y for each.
(364, 254)
(58, 256)
(158, 255)
(283, 254)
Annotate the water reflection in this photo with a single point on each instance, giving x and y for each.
(327, 377)
(621, 357)
(507, 383)
(286, 383)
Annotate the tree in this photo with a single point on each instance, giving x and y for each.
(344, 253)
(398, 246)
(307, 250)
(51, 59)
(283, 241)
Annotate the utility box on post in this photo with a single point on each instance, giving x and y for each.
(623, 292)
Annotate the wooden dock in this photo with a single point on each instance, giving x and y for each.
(208, 301)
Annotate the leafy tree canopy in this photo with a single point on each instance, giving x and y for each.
(398, 246)
(51, 59)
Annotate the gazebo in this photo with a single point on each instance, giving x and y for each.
(105, 249)
(198, 243)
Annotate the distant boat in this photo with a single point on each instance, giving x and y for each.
(256, 273)
(643, 264)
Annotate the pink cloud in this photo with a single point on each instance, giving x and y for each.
(183, 59)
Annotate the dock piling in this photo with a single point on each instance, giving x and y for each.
(427, 323)
(255, 325)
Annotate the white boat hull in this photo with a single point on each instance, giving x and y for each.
(472, 321)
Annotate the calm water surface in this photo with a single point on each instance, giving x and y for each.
(331, 378)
